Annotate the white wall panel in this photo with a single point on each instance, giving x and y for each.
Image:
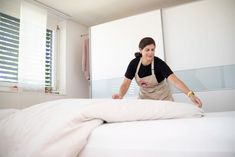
(200, 34)
(113, 44)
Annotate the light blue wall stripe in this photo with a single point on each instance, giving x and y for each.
(198, 80)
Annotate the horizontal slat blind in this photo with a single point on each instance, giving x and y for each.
(48, 71)
(9, 48)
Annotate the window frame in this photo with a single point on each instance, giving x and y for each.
(13, 86)
(55, 58)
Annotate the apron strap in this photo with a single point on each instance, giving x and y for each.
(152, 67)
(138, 67)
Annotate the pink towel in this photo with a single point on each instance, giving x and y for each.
(85, 59)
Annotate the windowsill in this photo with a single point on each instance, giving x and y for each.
(8, 88)
(55, 93)
(14, 89)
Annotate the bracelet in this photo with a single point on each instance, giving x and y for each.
(190, 93)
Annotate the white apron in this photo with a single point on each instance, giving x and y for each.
(150, 88)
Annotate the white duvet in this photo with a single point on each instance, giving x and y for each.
(61, 128)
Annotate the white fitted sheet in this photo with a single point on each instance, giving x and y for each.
(210, 136)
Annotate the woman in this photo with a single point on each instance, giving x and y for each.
(150, 73)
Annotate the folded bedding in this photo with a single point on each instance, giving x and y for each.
(6, 112)
(61, 128)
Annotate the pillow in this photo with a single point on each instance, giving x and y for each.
(138, 109)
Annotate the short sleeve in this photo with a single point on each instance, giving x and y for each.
(131, 69)
(165, 69)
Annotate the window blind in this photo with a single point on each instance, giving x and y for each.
(48, 68)
(9, 48)
(31, 68)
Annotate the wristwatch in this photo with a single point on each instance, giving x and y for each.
(190, 93)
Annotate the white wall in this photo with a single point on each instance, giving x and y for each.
(202, 34)
(75, 85)
(10, 7)
(113, 44)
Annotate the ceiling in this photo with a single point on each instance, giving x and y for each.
(93, 12)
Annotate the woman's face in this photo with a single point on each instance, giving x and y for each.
(148, 52)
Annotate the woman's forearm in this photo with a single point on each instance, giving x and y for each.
(181, 86)
(124, 87)
(122, 91)
(178, 84)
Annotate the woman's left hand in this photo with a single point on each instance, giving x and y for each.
(196, 101)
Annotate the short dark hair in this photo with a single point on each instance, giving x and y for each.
(146, 41)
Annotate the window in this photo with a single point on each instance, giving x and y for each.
(48, 65)
(9, 48)
(9, 51)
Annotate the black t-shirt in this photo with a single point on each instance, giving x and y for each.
(161, 69)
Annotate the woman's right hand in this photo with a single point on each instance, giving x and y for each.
(123, 89)
(116, 96)
(196, 101)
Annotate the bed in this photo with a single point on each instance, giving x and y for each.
(116, 128)
(210, 136)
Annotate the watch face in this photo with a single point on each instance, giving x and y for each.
(190, 93)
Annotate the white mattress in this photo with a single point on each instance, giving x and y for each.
(210, 136)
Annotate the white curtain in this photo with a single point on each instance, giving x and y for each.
(32, 47)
